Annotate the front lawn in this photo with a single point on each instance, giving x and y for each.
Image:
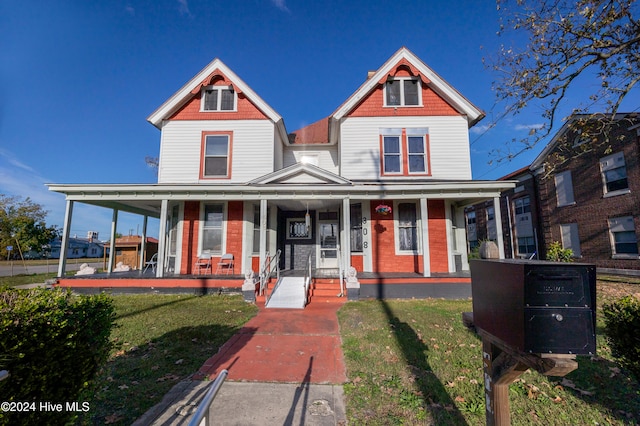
(159, 340)
(413, 362)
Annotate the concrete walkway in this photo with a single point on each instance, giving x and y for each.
(285, 367)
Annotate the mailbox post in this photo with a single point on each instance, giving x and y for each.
(530, 314)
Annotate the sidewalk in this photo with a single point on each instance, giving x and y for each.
(285, 367)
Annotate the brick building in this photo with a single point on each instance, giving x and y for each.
(583, 193)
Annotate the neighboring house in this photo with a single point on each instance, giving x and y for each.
(520, 221)
(583, 194)
(381, 183)
(128, 250)
(78, 248)
(590, 193)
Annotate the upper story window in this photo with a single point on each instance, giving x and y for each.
(614, 175)
(218, 98)
(522, 205)
(216, 155)
(564, 189)
(404, 151)
(403, 91)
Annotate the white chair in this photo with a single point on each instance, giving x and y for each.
(203, 261)
(226, 262)
(153, 262)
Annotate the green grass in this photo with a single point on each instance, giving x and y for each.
(413, 362)
(159, 340)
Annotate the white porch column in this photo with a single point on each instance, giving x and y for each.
(64, 242)
(112, 246)
(143, 243)
(346, 234)
(424, 222)
(162, 238)
(498, 217)
(263, 233)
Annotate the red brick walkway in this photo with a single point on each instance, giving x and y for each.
(285, 346)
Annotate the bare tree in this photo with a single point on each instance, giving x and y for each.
(568, 41)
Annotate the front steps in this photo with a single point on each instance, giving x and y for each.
(323, 290)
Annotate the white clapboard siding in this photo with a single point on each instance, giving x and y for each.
(448, 145)
(327, 156)
(181, 145)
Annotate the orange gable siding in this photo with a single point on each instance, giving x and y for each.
(438, 249)
(246, 111)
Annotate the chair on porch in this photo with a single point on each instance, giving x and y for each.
(203, 261)
(226, 262)
(151, 263)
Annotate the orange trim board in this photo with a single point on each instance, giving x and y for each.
(151, 282)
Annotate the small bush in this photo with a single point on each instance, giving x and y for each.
(54, 343)
(622, 320)
(556, 253)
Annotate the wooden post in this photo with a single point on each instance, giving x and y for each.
(503, 364)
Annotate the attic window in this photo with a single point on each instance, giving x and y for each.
(402, 91)
(218, 98)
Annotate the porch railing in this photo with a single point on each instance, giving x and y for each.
(201, 417)
(307, 279)
(267, 269)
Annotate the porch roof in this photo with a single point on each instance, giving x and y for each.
(146, 199)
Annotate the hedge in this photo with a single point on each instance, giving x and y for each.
(622, 319)
(53, 344)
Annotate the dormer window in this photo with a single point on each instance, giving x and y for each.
(402, 91)
(218, 98)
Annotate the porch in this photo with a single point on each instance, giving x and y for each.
(325, 286)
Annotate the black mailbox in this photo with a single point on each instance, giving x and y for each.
(536, 306)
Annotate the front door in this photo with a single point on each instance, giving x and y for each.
(328, 234)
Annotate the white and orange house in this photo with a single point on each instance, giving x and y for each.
(380, 184)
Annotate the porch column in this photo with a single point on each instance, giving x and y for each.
(112, 246)
(424, 222)
(346, 234)
(162, 238)
(143, 243)
(498, 218)
(263, 233)
(64, 242)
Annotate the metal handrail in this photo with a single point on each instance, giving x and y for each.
(201, 417)
(307, 279)
(340, 271)
(265, 271)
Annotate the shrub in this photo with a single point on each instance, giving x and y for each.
(55, 343)
(556, 253)
(622, 321)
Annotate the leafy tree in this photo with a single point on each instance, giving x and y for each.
(570, 42)
(22, 224)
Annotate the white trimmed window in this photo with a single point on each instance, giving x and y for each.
(391, 155)
(212, 230)
(564, 189)
(218, 98)
(403, 91)
(614, 174)
(407, 227)
(416, 151)
(570, 238)
(624, 242)
(216, 155)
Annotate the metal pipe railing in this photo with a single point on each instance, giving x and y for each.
(201, 417)
(307, 279)
(265, 271)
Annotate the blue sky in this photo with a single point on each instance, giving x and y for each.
(79, 78)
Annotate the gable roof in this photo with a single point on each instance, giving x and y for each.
(314, 133)
(436, 83)
(186, 92)
(301, 173)
(553, 143)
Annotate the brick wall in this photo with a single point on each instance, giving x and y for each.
(190, 236)
(592, 210)
(438, 248)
